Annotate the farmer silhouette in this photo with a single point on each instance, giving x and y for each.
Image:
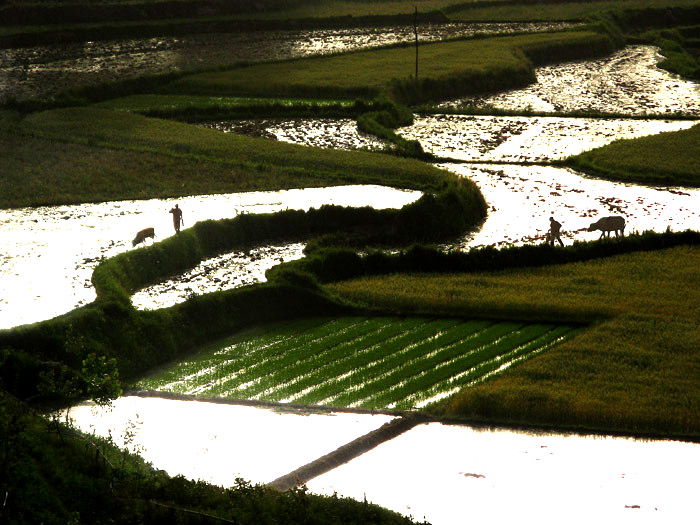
(177, 218)
(554, 232)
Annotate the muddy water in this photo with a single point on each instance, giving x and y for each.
(45, 71)
(628, 81)
(227, 271)
(323, 133)
(522, 198)
(218, 443)
(525, 139)
(462, 475)
(49, 253)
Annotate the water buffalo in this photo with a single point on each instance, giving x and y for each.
(609, 224)
(143, 235)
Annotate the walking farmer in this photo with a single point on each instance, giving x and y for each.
(177, 218)
(554, 232)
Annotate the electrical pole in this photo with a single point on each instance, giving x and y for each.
(415, 31)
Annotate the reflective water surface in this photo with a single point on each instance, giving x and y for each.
(445, 474)
(49, 253)
(522, 198)
(454, 475)
(628, 81)
(218, 443)
(525, 139)
(44, 71)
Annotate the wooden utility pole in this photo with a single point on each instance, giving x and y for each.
(415, 31)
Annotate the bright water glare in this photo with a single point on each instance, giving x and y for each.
(50, 274)
(218, 443)
(452, 475)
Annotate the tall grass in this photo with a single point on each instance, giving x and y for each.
(634, 370)
(91, 154)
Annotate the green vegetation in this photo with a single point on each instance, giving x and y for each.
(449, 68)
(90, 154)
(633, 371)
(551, 11)
(51, 474)
(359, 362)
(668, 158)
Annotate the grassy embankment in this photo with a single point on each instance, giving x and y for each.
(445, 69)
(89, 154)
(634, 370)
(53, 475)
(668, 158)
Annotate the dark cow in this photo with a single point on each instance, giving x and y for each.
(143, 235)
(614, 223)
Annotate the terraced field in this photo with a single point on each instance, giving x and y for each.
(357, 362)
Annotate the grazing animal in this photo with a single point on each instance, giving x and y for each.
(143, 235)
(614, 223)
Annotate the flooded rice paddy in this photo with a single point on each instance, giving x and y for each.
(50, 275)
(218, 443)
(445, 474)
(628, 81)
(45, 71)
(522, 198)
(463, 475)
(525, 139)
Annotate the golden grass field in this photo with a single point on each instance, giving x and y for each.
(634, 369)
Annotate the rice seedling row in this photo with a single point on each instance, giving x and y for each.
(244, 352)
(452, 382)
(403, 378)
(347, 372)
(343, 357)
(363, 362)
(257, 364)
(304, 360)
(366, 379)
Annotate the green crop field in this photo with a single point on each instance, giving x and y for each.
(358, 362)
(666, 158)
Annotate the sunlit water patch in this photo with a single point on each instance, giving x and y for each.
(628, 81)
(453, 475)
(227, 271)
(525, 139)
(49, 253)
(322, 133)
(522, 198)
(218, 443)
(44, 71)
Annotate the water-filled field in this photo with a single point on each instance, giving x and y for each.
(628, 81)
(357, 362)
(451, 475)
(218, 443)
(47, 70)
(50, 252)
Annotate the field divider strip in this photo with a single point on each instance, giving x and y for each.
(347, 452)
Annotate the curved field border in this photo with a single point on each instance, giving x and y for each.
(634, 370)
(671, 158)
